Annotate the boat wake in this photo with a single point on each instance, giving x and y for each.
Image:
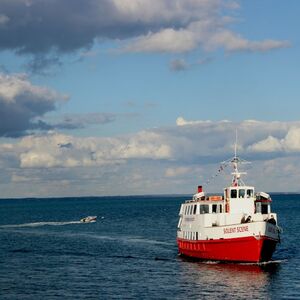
(229, 263)
(271, 262)
(39, 224)
(129, 239)
(259, 264)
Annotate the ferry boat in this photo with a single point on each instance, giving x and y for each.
(237, 226)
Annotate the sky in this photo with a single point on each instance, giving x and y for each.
(130, 97)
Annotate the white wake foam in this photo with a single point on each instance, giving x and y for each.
(264, 263)
(39, 224)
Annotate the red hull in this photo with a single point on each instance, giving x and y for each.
(247, 249)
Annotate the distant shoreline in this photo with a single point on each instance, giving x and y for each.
(129, 196)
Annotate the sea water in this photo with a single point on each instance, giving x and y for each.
(130, 253)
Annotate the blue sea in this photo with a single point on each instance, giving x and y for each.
(130, 253)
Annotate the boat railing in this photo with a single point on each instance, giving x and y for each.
(211, 198)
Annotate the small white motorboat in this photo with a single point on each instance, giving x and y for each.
(89, 219)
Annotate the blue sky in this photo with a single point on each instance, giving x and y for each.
(130, 96)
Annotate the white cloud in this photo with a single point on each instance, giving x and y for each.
(166, 11)
(290, 143)
(179, 171)
(231, 41)
(15, 87)
(180, 121)
(59, 150)
(208, 32)
(270, 144)
(146, 145)
(166, 40)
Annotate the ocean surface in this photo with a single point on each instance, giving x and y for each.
(130, 253)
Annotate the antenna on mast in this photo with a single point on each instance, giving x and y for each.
(235, 161)
(235, 145)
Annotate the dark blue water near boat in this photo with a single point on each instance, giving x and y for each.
(129, 253)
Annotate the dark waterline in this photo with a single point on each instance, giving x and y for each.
(129, 253)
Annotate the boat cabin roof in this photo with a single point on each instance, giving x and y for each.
(239, 187)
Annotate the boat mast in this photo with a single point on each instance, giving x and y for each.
(236, 179)
(235, 173)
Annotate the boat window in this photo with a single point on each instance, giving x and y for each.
(241, 193)
(264, 208)
(195, 208)
(220, 207)
(214, 208)
(204, 209)
(196, 235)
(233, 193)
(185, 210)
(249, 193)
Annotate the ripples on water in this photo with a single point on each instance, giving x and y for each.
(131, 253)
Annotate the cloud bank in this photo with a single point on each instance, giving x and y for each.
(203, 142)
(41, 26)
(162, 160)
(21, 102)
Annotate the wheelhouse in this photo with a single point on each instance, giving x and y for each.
(203, 207)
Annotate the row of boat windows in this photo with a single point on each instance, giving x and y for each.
(195, 209)
(241, 193)
(188, 235)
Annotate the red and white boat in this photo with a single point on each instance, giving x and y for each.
(237, 226)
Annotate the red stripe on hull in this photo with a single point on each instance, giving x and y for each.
(247, 249)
